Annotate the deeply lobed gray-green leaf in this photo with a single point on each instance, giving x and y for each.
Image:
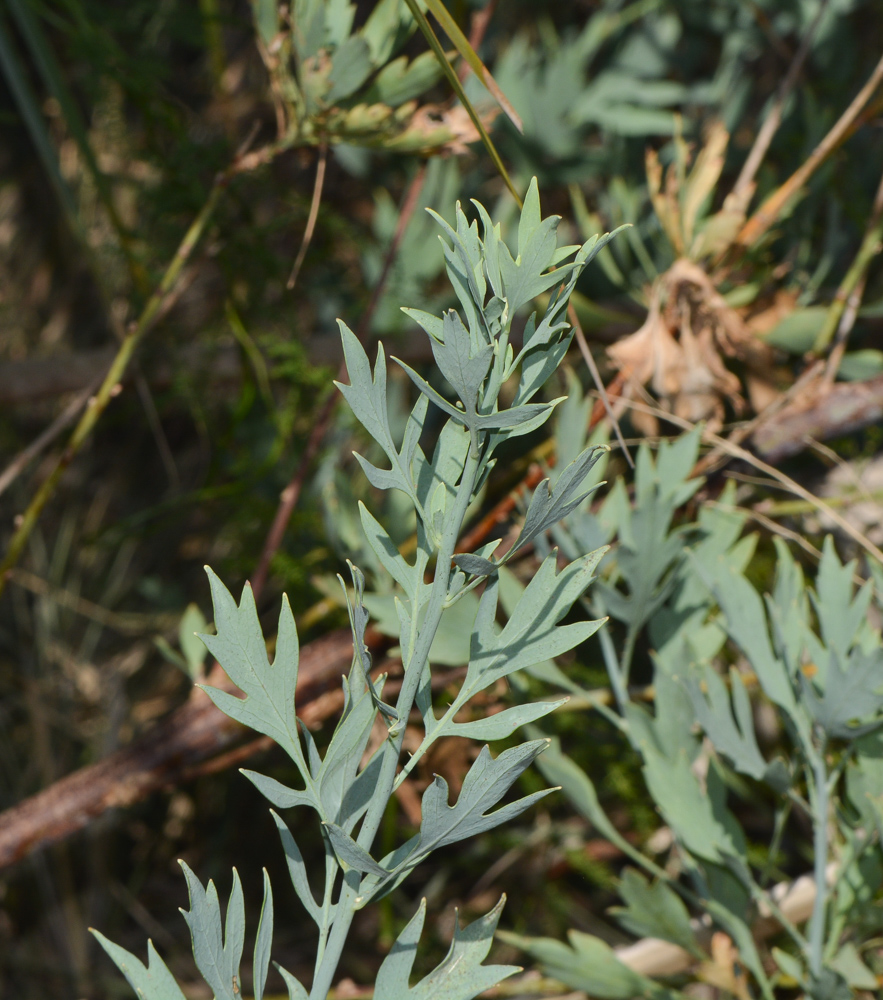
(503, 724)
(268, 706)
(486, 782)
(532, 633)
(853, 695)
(297, 870)
(698, 817)
(734, 738)
(459, 976)
(150, 982)
(217, 955)
(590, 965)
(263, 942)
(655, 910)
(552, 503)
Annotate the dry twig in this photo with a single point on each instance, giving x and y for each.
(851, 118)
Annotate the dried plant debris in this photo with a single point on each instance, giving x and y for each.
(680, 351)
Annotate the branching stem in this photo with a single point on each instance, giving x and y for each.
(346, 908)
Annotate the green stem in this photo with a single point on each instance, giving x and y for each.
(611, 661)
(855, 847)
(393, 748)
(820, 850)
(870, 247)
(775, 843)
(628, 653)
(108, 390)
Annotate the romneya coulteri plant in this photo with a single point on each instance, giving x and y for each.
(810, 653)
(349, 794)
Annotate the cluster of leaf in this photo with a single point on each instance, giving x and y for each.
(349, 787)
(341, 83)
(628, 73)
(808, 651)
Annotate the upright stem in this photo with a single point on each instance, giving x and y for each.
(98, 403)
(820, 850)
(611, 661)
(345, 908)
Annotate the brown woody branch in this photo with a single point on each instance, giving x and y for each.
(183, 744)
(829, 411)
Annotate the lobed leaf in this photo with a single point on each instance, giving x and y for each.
(589, 965)
(295, 990)
(153, 982)
(734, 738)
(486, 782)
(263, 942)
(460, 975)
(552, 503)
(503, 724)
(280, 795)
(699, 818)
(268, 706)
(853, 692)
(217, 955)
(297, 870)
(655, 910)
(532, 633)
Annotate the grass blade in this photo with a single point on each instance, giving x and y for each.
(461, 44)
(435, 45)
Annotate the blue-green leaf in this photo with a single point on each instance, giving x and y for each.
(460, 976)
(464, 364)
(732, 737)
(532, 633)
(588, 964)
(366, 394)
(550, 504)
(503, 724)
(295, 990)
(486, 782)
(217, 956)
(352, 855)
(153, 982)
(297, 870)
(263, 942)
(655, 910)
(698, 818)
(268, 706)
(475, 565)
(853, 695)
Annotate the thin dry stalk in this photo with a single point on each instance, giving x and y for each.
(744, 186)
(844, 309)
(312, 217)
(770, 210)
(126, 623)
(42, 441)
(596, 378)
(153, 311)
(718, 456)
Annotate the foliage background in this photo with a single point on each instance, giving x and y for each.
(188, 462)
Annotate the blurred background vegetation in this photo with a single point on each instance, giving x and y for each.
(125, 125)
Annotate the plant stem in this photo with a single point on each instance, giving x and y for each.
(345, 907)
(854, 278)
(98, 403)
(611, 661)
(820, 850)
